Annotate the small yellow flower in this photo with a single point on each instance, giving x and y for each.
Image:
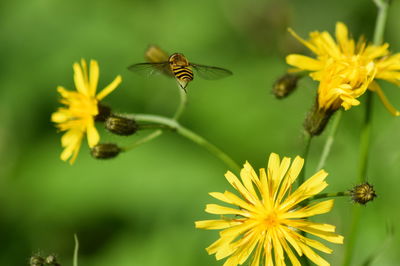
(346, 69)
(78, 117)
(269, 219)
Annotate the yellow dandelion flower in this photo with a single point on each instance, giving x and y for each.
(78, 117)
(269, 219)
(346, 69)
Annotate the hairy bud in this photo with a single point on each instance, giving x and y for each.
(363, 193)
(121, 125)
(36, 261)
(317, 119)
(285, 85)
(105, 151)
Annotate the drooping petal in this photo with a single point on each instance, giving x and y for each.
(92, 135)
(376, 88)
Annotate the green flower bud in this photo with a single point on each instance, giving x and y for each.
(285, 85)
(363, 193)
(36, 261)
(317, 119)
(121, 125)
(105, 151)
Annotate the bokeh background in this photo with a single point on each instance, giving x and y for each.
(140, 208)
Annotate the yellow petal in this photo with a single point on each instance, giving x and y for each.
(79, 79)
(304, 42)
(235, 182)
(289, 252)
(94, 77)
(221, 243)
(59, 117)
(216, 224)
(290, 177)
(328, 236)
(376, 88)
(315, 244)
(248, 175)
(92, 135)
(312, 225)
(231, 198)
(313, 256)
(217, 209)
(310, 210)
(346, 45)
(304, 62)
(107, 90)
(309, 188)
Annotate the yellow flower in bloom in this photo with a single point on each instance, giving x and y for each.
(269, 219)
(346, 69)
(78, 117)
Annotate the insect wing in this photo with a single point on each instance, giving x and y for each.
(150, 69)
(211, 72)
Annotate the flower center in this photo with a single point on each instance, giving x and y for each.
(271, 220)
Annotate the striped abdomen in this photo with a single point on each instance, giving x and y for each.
(183, 73)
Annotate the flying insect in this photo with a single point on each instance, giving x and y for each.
(177, 66)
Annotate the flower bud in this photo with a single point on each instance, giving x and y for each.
(105, 151)
(52, 260)
(104, 112)
(317, 119)
(363, 193)
(121, 125)
(285, 85)
(36, 261)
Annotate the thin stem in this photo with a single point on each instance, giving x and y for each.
(176, 127)
(156, 134)
(330, 195)
(329, 140)
(143, 140)
(182, 104)
(382, 6)
(76, 249)
(381, 18)
(307, 144)
(365, 139)
(150, 126)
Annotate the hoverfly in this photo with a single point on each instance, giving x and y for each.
(176, 65)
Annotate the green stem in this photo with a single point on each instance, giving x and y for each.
(381, 18)
(330, 195)
(365, 139)
(329, 140)
(143, 140)
(157, 133)
(182, 104)
(76, 249)
(176, 127)
(307, 144)
(382, 6)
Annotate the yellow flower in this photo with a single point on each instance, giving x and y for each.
(269, 218)
(346, 69)
(78, 117)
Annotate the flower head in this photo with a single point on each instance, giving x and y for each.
(78, 116)
(269, 216)
(346, 69)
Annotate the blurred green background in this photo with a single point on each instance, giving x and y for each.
(140, 208)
